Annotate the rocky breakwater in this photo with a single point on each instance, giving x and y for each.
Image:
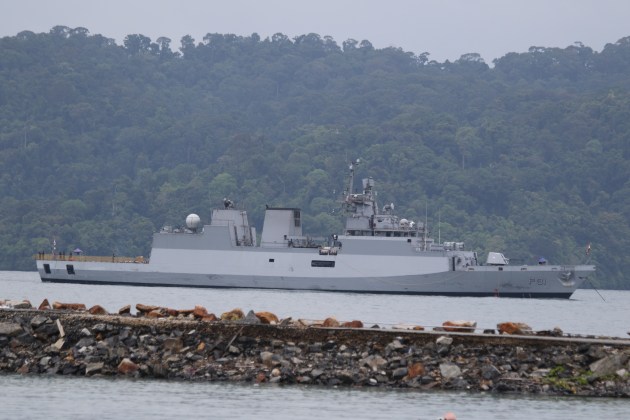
(196, 345)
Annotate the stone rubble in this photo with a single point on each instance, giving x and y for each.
(257, 347)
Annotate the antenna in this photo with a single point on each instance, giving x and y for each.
(439, 232)
(426, 223)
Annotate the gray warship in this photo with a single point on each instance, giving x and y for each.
(378, 252)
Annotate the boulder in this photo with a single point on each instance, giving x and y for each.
(186, 312)
(173, 344)
(450, 371)
(267, 318)
(97, 310)
(409, 327)
(460, 326)
(266, 357)
(125, 310)
(39, 320)
(62, 333)
(609, 365)
(17, 304)
(514, 328)
(68, 306)
(330, 322)
(45, 305)
(353, 324)
(233, 315)
(10, 329)
(171, 312)
(126, 366)
(556, 332)
(58, 345)
(415, 370)
(374, 362)
(399, 373)
(444, 341)
(301, 323)
(157, 313)
(210, 318)
(490, 372)
(199, 311)
(145, 308)
(93, 368)
(250, 318)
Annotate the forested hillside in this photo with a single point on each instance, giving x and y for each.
(102, 144)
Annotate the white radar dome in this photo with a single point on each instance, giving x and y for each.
(192, 221)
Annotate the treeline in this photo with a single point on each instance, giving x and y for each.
(102, 144)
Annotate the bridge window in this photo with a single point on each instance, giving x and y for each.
(70, 268)
(47, 268)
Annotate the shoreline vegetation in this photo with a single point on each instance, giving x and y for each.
(103, 144)
(257, 348)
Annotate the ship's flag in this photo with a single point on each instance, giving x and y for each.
(588, 249)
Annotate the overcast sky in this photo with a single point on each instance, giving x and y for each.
(444, 28)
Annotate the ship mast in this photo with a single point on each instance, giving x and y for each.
(351, 178)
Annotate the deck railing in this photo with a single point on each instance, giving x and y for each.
(89, 258)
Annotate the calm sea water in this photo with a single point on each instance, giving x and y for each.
(49, 397)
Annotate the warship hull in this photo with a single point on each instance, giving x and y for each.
(294, 270)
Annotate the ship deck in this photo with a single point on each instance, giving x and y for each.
(91, 258)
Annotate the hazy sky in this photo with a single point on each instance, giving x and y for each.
(444, 28)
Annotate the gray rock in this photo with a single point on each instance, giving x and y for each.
(490, 372)
(444, 341)
(85, 332)
(315, 348)
(100, 327)
(329, 345)
(85, 342)
(250, 319)
(399, 373)
(92, 368)
(442, 350)
(540, 373)
(266, 357)
(374, 362)
(316, 373)
(608, 365)
(426, 380)
(450, 370)
(394, 346)
(39, 320)
(10, 329)
(345, 376)
(173, 344)
(277, 343)
(16, 304)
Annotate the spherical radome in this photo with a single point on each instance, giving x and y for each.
(193, 221)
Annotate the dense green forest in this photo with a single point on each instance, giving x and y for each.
(102, 144)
